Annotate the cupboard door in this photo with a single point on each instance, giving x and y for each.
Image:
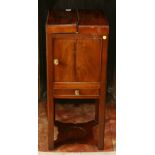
(63, 49)
(88, 59)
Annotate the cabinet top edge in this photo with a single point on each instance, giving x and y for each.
(78, 17)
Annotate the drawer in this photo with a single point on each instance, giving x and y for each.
(76, 93)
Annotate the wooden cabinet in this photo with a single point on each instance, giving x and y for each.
(76, 61)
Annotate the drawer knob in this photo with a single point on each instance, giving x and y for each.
(56, 62)
(77, 93)
(104, 37)
(68, 9)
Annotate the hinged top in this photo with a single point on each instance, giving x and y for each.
(62, 21)
(77, 21)
(92, 17)
(92, 22)
(58, 17)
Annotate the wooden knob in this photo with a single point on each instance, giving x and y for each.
(77, 93)
(56, 62)
(104, 37)
(68, 9)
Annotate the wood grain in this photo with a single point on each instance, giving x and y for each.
(75, 39)
(71, 92)
(92, 22)
(76, 85)
(63, 50)
(88, 60)
(61, 21)
(102, 99)
(50, 103)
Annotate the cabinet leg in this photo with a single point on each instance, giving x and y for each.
(101, 137)
(101, 123)
(96, 110)
(50, 125)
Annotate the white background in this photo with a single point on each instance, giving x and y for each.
(135, 77)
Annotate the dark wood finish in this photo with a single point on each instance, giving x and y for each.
(77, 4)
(76, 85)
(88, 59)
(102, 99)
(89, 17)
(60, 21)
(71, 93)
(61, 18)
(92, 22)
(109, 8)
(63, 49)
(76, 62)
(50, 100)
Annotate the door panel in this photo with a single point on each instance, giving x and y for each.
(64, 52)
(88, 55)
